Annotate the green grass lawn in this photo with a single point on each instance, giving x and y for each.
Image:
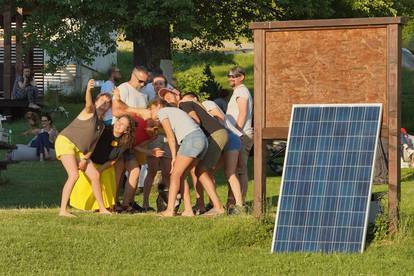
(34, 240)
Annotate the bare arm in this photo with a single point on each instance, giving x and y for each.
(217, 114)
(89, 106)
(241, 119)
(170, 137)
(119, 108)
(194, 116)
(22, 84)
(106, 165)
(154, 152)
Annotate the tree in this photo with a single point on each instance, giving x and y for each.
(73, 30)
(81, 29)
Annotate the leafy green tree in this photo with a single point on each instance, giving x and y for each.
(72, 30)
(82, 29)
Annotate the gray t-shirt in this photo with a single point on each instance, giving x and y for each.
(233, 109)
(181, 123)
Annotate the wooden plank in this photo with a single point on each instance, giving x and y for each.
(259, 91)
(327, 23)
(7, 52)
(275, 132)
(394, 123)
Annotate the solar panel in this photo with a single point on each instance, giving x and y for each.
(327, 178)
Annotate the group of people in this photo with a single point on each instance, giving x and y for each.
(148, 121)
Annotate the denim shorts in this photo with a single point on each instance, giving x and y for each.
(194, 145)
(234, 142)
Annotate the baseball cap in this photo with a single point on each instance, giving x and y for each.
(164, 91)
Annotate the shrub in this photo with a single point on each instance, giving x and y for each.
(199, 81)
(192, 81)
(210, 85)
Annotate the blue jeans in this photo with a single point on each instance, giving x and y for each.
(29, 93)
(41, 143)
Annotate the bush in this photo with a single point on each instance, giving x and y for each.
(192, 81)
(200, 82)
(210, 85)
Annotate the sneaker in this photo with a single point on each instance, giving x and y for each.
(236, 210)
(209, 206)
(161, 203)
(148, 209)
(197, 211)
(136, 207)
(118, 207)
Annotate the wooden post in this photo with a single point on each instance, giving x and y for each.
(19, 41)
(7, 52)
(259, 99)
(394, 123)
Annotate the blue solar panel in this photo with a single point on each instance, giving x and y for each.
(327, 178)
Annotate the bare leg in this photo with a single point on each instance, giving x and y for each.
(153, 166)
(230, 167)
(188, 209)
(131, 185)
(71, 166)
(180, 166)
(165, 170)
(119, 173)
(243, 176)
(94, 177)
(208, 185)
(199, 191)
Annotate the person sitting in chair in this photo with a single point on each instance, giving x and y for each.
(25, 88)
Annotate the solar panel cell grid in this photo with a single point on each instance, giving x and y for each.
(326, 181)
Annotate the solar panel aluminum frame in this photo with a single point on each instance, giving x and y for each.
(294, 106)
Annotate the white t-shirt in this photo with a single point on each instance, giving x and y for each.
(181, 123)
(132, 97)
(107, 87)
(210, 105)
(233, 109)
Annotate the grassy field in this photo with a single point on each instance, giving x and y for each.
(34, 240)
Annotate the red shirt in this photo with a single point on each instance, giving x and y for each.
(141, 134)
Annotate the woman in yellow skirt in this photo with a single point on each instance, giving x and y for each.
(75, 144)
(110, 146)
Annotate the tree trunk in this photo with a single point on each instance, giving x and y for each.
(151, 45)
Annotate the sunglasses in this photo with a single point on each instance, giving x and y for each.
(140, 81)
(230, 76)
(44, 121)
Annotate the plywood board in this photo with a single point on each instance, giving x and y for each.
(324, 66)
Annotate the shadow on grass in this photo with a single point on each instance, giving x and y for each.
(32, 185)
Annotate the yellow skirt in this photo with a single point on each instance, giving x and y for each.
(82, 196)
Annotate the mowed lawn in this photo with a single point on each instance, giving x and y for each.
(34, 240)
